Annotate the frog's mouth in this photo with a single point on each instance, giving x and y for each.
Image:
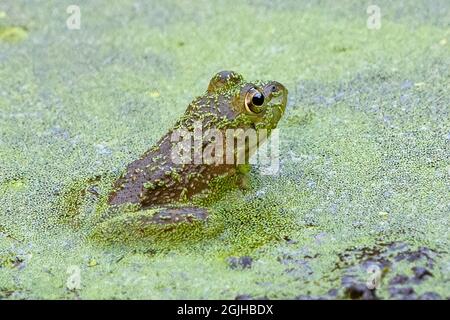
(277, 110)
(276, 95)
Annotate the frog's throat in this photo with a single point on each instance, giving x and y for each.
(251, 146)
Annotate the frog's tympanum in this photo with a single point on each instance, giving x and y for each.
(161, 181)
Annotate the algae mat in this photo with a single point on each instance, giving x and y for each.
(364, 177)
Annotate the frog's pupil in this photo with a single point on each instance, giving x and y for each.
(258, 99)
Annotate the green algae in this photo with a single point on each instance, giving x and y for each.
(13, 34)
(13, 185)
(366, 131)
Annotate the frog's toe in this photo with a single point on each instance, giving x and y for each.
(176, 215)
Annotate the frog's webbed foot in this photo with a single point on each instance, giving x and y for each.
(175, 215)
(158, 223)
(243, 176)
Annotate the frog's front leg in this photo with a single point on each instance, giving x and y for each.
(242, 172)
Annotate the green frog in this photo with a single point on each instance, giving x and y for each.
(163, 180)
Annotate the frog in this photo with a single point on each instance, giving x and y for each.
(163, 186)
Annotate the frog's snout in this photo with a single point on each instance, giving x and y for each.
(276, 95)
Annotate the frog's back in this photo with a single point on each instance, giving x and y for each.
(156, 179)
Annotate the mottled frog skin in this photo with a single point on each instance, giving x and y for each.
(155, 181)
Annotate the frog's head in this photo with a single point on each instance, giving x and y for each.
(261, 103)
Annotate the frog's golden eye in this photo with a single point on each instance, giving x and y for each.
(253, 101)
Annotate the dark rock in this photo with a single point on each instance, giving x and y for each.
(398, 279)
(430, 296)
(404, 293)
(94, 190)
(359, 291)
(421, 253)
(421, 272)
(386, 257)
(246, 262)
(354, 289)
(333, 292)
(240, 262)
(289, 240)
